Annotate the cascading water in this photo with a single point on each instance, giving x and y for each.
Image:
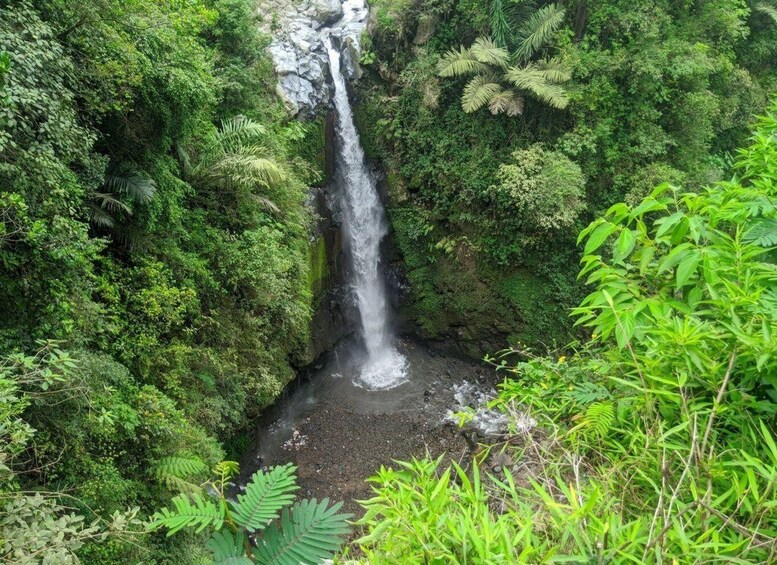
(364, 226)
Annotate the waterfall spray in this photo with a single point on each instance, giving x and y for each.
(364, 227)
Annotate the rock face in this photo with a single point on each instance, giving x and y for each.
(300, 31)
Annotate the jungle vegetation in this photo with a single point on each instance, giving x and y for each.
(601, 158)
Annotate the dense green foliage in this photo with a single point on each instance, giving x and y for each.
(153, 222)
(307, 533)
(656, 439)
(659, 91)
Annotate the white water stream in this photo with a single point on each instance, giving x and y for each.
(364, 226)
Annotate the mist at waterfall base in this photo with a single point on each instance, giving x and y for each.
(364, 227)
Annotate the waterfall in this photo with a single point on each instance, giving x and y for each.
(364, 226)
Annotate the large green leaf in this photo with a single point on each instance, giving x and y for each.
(309, 533)
(265, 496)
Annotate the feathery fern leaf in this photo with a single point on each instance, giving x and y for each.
(762, 232)
(174, 470)
(537, 29)
(768, 9)
(228, 549)
(479, 91)
(264, 497)
(506, 102)
(462, 62)
(488, 52)
(239, 131)
(189, 511)
(599, 418)
(309, 533)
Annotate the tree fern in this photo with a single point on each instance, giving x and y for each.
(228, 549)
(264, 497)
(309, 533)
(479, 91)
(537, 29)
(189, 511)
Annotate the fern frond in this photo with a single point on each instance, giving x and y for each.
(226, 469)
(189, 511)
(478, 92)
(462, 62)
(599, 418)
(762, 232)
(488, 52)
(174, 470)
(265, 496)
(537, 29)
(532, 80)
(506, 102)
(766, 8)
(228, 549)
(309, 533)
(240, 130)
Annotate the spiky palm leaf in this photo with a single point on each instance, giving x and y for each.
(239, 131)
(501, 22)
(100, 217)
(189, 511)
(460, 63)
(135, 187)
(308, 533)
(488, 52)
(767, 8)
(506, 102)
(228, 549)
(537, 29)
(265, 496)
(246, 169)
(479, 91)
(535, 81)
(553, 70)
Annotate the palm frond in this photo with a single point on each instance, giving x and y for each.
(537, 29)
(100, 217)
(309, 533)
(240, 130)
(245, 170)
(766, 8)
(108, 201)
(506, 102)
(553, 70)
(264, 497)
(501, 23)
(462, 62)
(189, 511)
(478, 92)
(533, 80)
(136, 187)
(488, 52)
(228, 549)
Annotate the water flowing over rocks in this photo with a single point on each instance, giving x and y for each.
(301, 31)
